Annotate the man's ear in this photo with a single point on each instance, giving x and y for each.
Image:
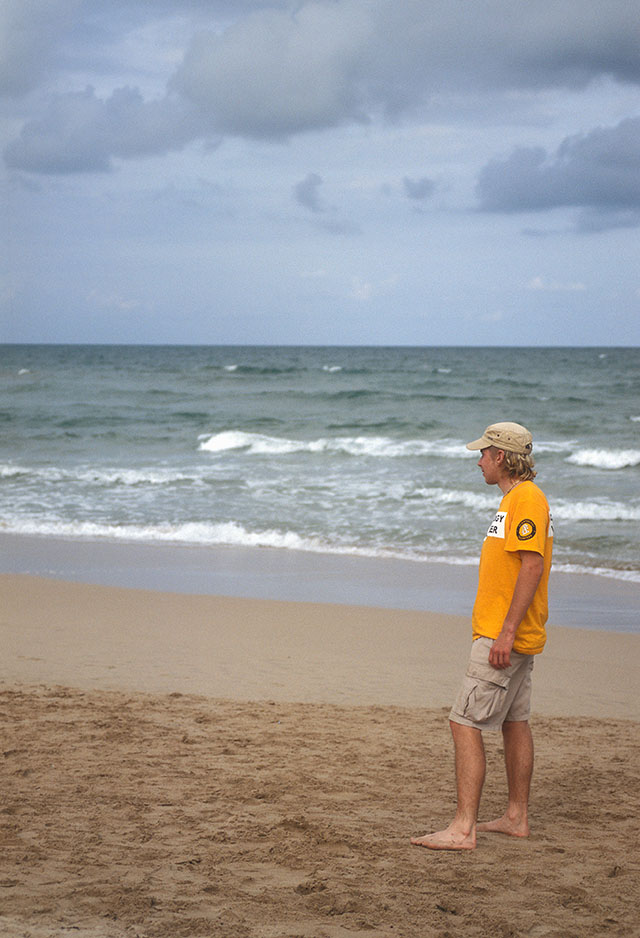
(500, 457)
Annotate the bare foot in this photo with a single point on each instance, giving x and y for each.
(445, 840)
(505, 825)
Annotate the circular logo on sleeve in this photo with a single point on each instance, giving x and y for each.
(525, 530)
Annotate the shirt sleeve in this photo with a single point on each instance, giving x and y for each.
(528, 526)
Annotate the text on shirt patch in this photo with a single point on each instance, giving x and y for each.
(496, 528)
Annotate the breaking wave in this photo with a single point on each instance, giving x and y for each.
(605, 458)
(257, 444)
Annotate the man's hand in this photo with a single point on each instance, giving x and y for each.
(500, 654)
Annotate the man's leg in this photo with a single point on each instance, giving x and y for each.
(470, 771)
(518, 758)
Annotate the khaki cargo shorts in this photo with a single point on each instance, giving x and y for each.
(488, 697)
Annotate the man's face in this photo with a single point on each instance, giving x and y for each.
(491, 464)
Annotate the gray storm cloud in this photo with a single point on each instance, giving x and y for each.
(307, 192)
(276, 72)
(82, 133)
(599, 170)
(418, 189)
(273, 75)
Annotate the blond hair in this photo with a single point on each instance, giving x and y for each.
(520, 467)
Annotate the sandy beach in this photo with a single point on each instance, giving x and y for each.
(189, 765)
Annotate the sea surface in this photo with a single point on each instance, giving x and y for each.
(341, 451)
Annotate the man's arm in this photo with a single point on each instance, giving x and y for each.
(531, 569)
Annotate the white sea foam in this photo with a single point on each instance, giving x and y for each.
(235, 535)
(8, 471)
(605, 458)
(129, 477)
(377, 446)
(474, 500)
(257, 444)
(377, 491)
(196, 533)
(562, 509)
(553, 446)
(124, 477)
(628, 576)
(595, 511)
(228, 533)
(332, 368)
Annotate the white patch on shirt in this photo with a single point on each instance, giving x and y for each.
(550, 528)
(496, 528)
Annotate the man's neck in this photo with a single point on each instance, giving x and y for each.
(507, 483)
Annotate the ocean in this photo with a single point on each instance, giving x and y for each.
(334, 451)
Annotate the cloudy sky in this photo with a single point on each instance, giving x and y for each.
(408, 172)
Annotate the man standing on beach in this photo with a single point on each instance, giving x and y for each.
(509, 618)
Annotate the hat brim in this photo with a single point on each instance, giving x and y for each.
(482, 443)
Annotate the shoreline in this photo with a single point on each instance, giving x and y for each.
(577, 600)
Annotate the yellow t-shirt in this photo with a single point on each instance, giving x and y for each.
(523, 522)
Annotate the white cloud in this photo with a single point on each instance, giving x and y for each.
(555, 286)
(361, 290)
(494, 316)
(112, 301)
(365, 290)
(318, 274)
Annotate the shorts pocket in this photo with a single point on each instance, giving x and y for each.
(483, 693)
(484, 672)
